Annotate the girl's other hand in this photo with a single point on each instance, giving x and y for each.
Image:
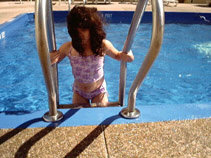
(54, 56)
(127, 57)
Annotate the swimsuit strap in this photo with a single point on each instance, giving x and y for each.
(70, 50)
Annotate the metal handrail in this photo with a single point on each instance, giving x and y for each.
(127, 46)
(69, 4)
(45, 38)
(156, 42)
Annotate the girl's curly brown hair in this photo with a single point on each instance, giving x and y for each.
(86, 18)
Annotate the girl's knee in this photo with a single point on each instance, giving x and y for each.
(101, 98)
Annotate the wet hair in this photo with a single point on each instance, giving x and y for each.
(86, 18)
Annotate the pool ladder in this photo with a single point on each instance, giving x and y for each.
(45, 38)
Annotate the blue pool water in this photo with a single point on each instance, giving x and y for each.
(180, 75)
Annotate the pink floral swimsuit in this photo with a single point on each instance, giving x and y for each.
(87, 70)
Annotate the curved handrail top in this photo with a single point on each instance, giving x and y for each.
(155, 45)
(127, 46)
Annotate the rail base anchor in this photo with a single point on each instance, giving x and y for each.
(48, 118)
(130, 114)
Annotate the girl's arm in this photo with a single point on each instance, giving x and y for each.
(58, 55)
(114, 53)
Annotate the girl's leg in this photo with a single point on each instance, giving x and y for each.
(77, 99)
(102, 98)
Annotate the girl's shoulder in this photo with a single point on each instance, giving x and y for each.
(105, 42)
(105, 45)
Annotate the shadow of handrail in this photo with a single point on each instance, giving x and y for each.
(18, 129)
(25, 147)
(23, 150)
(79, 148)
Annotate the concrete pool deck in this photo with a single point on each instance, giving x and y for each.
(184, 138)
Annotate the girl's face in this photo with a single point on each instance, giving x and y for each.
(84, 35)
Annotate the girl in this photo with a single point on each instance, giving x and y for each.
(86, 53)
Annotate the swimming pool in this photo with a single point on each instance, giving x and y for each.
(180, 77)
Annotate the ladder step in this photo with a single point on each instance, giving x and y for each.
(91, 105)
